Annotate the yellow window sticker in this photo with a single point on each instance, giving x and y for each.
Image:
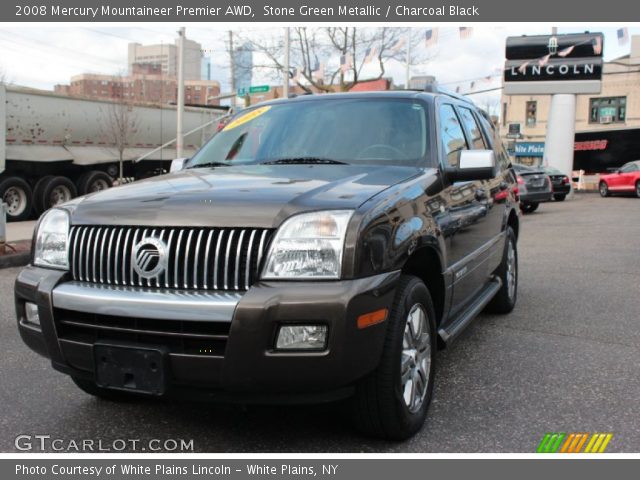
(247, 117)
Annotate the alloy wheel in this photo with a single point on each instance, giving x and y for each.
(416, 358)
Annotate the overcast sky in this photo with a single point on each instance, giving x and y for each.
(43, 56)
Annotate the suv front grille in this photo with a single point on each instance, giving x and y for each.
(196, 258)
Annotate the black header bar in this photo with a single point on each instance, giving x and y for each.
(328, 11)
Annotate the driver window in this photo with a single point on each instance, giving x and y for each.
(451, 135)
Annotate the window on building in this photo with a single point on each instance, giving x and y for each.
(608, 110)
(532, 113)
(451, 135)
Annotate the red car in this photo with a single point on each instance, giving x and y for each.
(624, 180)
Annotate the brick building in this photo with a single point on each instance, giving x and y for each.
(146, 84)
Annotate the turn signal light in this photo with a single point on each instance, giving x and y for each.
(373, 318)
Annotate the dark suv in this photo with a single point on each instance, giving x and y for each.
(314, 249)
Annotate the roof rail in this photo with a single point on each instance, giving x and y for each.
(434, 88)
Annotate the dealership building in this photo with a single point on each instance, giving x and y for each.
(607, 124)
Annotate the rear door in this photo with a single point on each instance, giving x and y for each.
(465, 222)
(628, 177)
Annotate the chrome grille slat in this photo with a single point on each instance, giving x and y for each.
(185, 279)
(175, 265)
(207, 249)
(115, 262)
(226, 261)
(249, 255)
(197, 258)
(196, 254)
(238, 256)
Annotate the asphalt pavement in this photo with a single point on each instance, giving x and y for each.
(566, 360)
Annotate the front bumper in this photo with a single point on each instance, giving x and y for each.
(242, 361)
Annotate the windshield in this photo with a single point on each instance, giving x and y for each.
(354, 131)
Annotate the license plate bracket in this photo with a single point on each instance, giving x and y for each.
(131, 368)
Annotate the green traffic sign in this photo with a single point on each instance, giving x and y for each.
(259, 89)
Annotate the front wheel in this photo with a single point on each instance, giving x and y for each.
(392, 401)
(603, 188)
(638, 189)
(505, 300)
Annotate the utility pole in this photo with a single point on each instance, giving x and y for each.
(180, 106)
(287, 47)
(408, 65)
(232, 68)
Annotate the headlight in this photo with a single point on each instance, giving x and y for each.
(308, 245)
(52, 240)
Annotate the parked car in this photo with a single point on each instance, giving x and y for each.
(624, 180)
(560, 183)
(534, 187)
(314, 249)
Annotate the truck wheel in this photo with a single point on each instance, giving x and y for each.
(603, 188)
(507, 271)
(16, 193)
(88, 386)
(56, 191)
(38, 192)
(392, 401)
(93, 181)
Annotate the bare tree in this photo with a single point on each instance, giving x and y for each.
(355, 46)
(120, 123)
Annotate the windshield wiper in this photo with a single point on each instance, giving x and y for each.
(304, 161)
(210, 164)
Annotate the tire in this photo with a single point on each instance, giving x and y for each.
(38, 192)
(56, 191)
(505, 300)
(17, 194)
(529, 207)
(638, 189)
(603, 188)
(93, 181)
(379, 405)
(90, 387)
(559, 198)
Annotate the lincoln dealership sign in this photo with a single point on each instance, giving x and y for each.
(547, 64)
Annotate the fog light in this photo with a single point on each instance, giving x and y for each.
(302, 337)
(31, 311)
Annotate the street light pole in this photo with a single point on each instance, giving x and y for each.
(232, 67)
(180, 103)
(287, 45)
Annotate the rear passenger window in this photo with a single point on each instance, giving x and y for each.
(452, 135)
(472, 126)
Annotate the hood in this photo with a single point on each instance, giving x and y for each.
(247, 196)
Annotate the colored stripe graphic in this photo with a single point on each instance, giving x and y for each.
(556, 442)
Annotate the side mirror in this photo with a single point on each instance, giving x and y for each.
(177, 164)
(474, 165)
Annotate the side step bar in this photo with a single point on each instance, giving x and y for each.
(481, 301)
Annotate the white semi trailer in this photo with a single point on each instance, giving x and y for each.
(55, 147)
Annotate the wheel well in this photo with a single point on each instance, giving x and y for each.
(425, 264)
(513, 222)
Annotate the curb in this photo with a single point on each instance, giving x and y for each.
(15, 260)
